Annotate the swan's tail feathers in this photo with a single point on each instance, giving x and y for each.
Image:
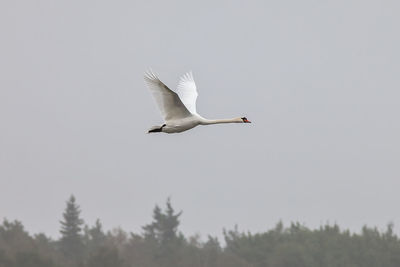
(156, 129)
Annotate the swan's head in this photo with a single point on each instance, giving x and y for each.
(245, 120)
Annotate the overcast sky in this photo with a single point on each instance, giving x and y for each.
(319, 80)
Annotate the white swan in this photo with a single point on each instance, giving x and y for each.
(179, 109)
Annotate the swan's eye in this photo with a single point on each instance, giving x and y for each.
(244, 119)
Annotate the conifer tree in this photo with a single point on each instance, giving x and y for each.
(163, 231)
(94, 237)
(164, 227)
(97, 234)
(71, 240)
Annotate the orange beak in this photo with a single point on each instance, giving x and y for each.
(247, 121)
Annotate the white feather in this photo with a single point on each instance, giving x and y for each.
(169, 103)
(187, 92)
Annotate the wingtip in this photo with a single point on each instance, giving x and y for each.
(149, 74)
(188, 76)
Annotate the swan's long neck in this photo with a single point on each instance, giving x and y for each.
(207, 122)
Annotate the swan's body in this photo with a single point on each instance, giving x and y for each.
(179, 109)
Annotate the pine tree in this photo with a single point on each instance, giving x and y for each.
(71, 241)
(94, 237)
(165, 225)
(163, 231)
(96, 233)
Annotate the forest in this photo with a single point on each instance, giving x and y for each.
(162, 244)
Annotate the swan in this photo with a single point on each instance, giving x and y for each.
(179, 109)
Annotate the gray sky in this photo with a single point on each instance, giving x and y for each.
(319, 79)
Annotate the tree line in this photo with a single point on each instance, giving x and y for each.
(161, 244)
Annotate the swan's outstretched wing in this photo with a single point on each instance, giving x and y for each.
(169, 103)
(187, 92)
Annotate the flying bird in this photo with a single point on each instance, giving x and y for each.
(179, 108)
